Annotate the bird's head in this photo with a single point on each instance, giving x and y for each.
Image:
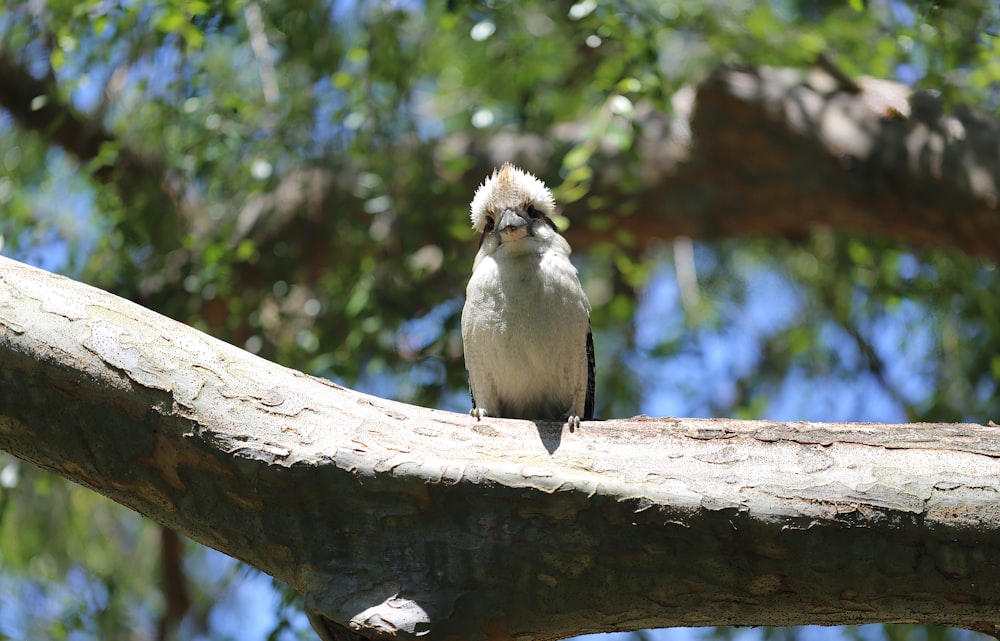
(512, 205)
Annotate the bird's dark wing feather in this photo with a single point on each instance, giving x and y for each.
(588, 405)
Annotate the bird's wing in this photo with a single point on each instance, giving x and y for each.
(588, 405)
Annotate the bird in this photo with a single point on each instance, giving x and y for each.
(529, 348)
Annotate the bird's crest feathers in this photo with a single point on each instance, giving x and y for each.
(509, 187)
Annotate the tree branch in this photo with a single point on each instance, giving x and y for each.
(749, 152)
(37, 107)
(139, 180)
(398, 521)
(173, 583)
(780, 151)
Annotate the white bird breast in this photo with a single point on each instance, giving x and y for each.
(524, 327)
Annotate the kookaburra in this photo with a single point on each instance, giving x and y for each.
(526, 320)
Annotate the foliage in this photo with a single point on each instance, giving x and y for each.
(287, 176)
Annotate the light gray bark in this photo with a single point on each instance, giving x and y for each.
(401, 521)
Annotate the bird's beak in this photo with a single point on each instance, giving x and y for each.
(512, 226)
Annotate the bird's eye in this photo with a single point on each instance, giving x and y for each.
(489, 224)
(534, 213)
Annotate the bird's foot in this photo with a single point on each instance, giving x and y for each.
(478, 412)
(573, 421)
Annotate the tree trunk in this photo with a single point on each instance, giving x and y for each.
(399, 521)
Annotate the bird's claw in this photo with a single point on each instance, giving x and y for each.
(478, 412)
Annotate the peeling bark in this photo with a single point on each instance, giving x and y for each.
(399, 521)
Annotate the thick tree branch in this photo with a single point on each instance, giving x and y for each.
(870, 156)
(750, 151)
(761, 151)
(779, 152)
(398, 521)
